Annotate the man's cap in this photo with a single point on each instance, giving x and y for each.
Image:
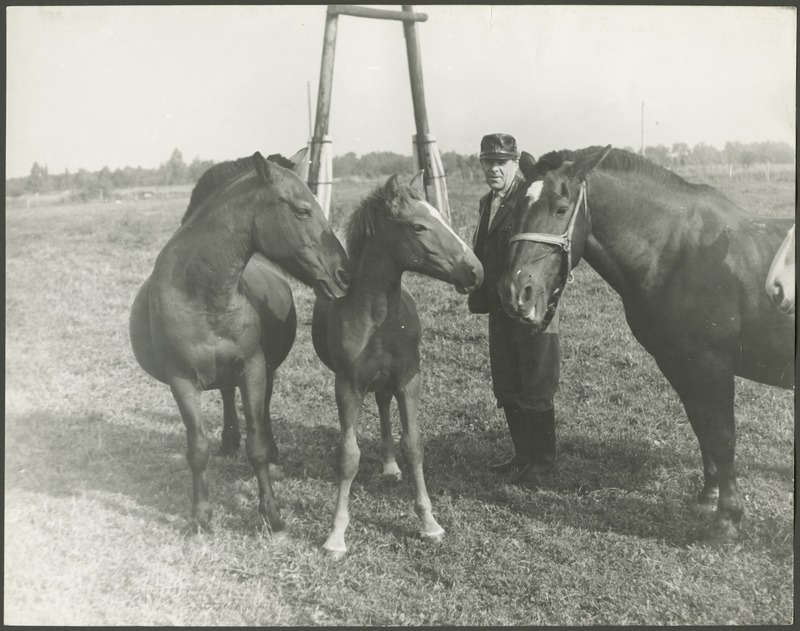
(498, 147)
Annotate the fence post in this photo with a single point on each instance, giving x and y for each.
(323, 99)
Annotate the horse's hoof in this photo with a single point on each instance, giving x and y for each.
(335, 552)
(392, 477)
(709, 495)
(721, 531)
(276, 472)
(229, 446)
(432, 537)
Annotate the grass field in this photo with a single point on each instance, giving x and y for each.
(97, 488)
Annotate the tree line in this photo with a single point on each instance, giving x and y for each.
(103, 183)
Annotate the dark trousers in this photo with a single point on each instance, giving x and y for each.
(525, 366)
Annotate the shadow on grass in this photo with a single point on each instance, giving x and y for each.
(630, 489)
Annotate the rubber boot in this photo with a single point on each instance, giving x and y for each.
(517, 427)
(541, 448)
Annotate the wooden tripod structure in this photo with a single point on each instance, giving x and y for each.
(425, 149)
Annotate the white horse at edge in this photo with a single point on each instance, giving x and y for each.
(780, 285)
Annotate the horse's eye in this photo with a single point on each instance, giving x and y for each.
(302, 211)
(419, 228)
(562, 210)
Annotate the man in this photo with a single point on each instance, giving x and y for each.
(524, 365)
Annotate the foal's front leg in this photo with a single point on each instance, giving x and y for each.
(348, 401)
(390, 469)
(187, 396)
(408, 402)
(252, 385)
(231, 438)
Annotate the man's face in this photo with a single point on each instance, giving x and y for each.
(499, 173)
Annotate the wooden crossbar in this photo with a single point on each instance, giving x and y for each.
(380, 14)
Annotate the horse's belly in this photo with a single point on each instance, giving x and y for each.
(141, 337)
(767, 354)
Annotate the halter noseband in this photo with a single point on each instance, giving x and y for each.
(564, 241)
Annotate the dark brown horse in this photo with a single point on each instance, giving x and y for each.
(689, 266)
(194, 327)
(370, 337)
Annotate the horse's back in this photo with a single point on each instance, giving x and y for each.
(266, 287)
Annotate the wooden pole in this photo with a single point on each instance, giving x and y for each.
(323, 97)
(417, 94)
(310, 125)
(379, 14)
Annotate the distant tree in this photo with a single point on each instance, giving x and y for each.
(38, 180)
(346, 165)
(105, 184)
(680, 153)
(197, 168)
(16, 186)
(706, 154)
(175, 170)
(658, 154)
(733, 152)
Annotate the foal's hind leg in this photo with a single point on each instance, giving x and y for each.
(231, 438)
(188, 400)
(390, 469)
(275, 469)
(408, 402)
(253, 387)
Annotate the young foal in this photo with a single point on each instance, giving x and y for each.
(780, 279)
(370, 338)
(195, 329)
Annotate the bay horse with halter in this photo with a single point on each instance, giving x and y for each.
(370, 337)
(780, 285)
(689, 266)
(193, 325)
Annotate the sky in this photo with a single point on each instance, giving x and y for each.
(116, 86)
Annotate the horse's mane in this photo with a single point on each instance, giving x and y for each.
(364, 220)
(221, 174)
(621, 160)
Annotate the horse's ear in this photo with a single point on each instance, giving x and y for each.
(582, 168)
(392, 188)
(298, 159)
(264, 167)
(527, 164)
(417, 181)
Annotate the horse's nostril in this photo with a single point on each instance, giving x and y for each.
(342, 278)
(526, 294)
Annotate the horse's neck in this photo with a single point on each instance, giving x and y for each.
(375, 286)
(622, 246)
(216, 248)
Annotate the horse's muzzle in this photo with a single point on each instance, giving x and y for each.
(323, 288)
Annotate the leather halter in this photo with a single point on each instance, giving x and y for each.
(564, 241)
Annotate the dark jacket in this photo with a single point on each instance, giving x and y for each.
(490, 244)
